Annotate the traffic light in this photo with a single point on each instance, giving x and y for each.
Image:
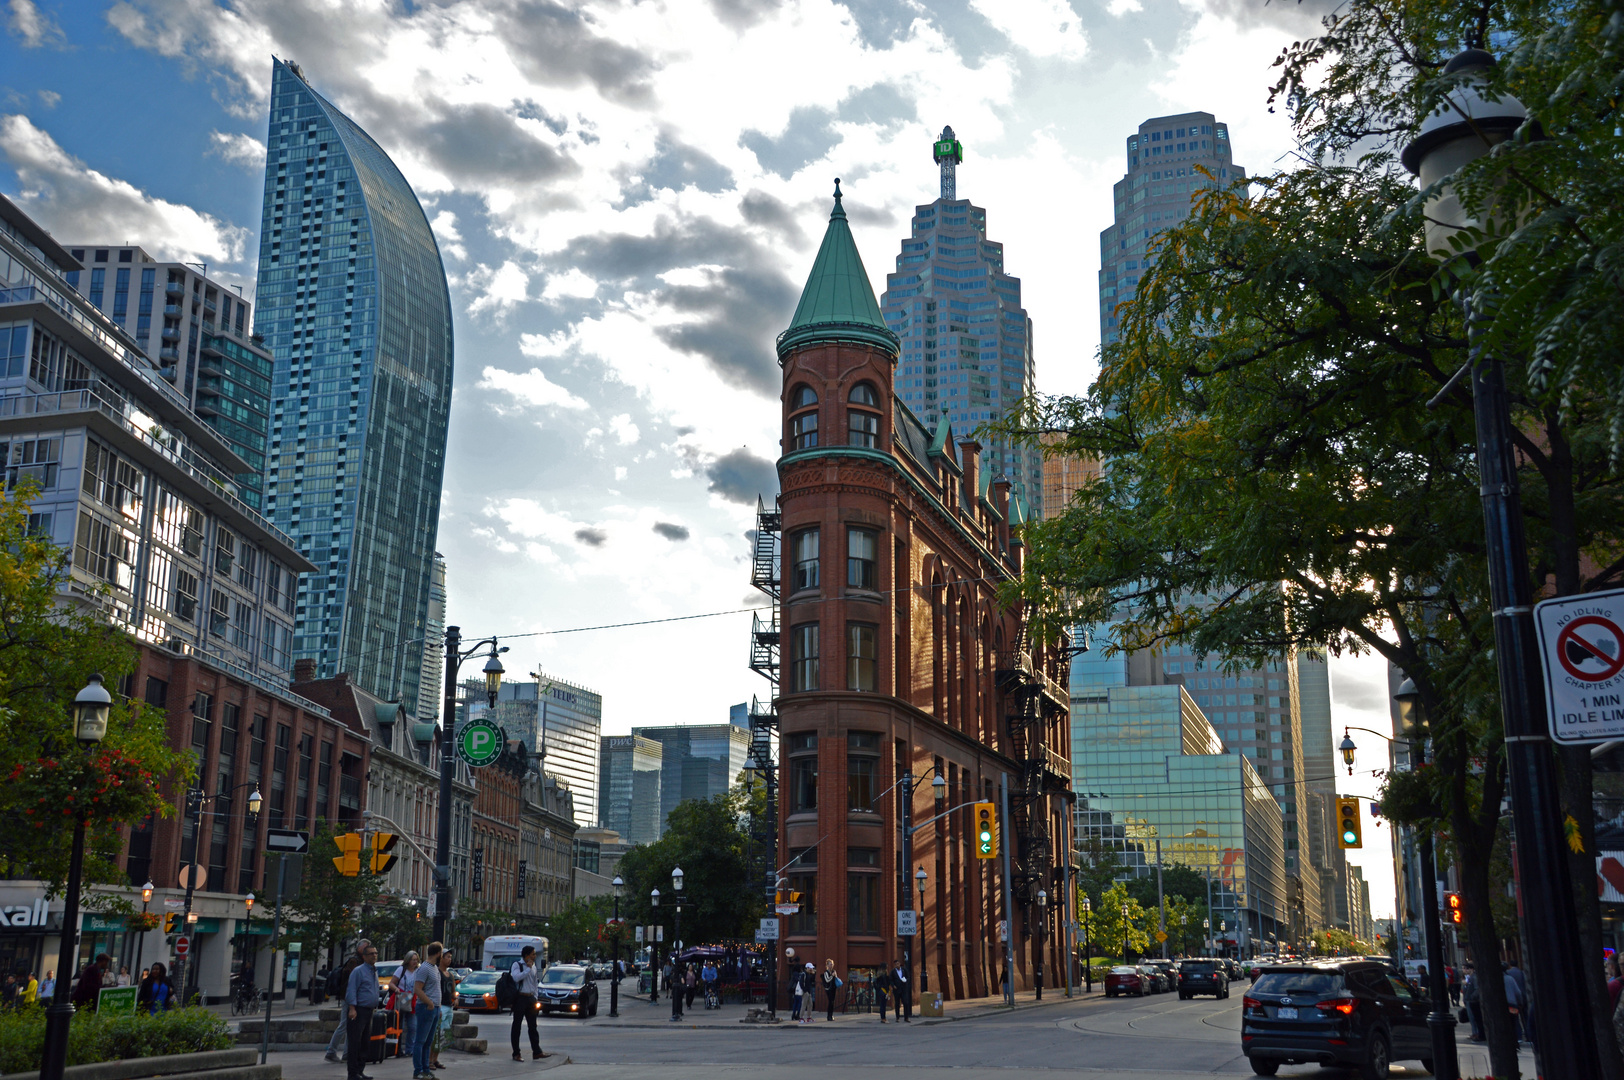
(348, 859)
(1347, 817)
(986, 831)
(1454, 912)
(171, 923)
(382, 844)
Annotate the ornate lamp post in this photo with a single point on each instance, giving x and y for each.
(1088, 947)
(919, 902)
(614, 962)
(146, 898)
(454, 656)
(675, 988)
(654, 951)
(1467, 127)
(90, 708)
(1124, 933)
(1206, 933)
(1043, 921)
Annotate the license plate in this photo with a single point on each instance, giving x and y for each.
(1284, 1013)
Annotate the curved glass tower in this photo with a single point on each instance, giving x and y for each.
(353, 303)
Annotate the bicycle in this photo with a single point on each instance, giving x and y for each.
(247, 1001)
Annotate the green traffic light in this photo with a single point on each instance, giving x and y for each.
(1349, 836)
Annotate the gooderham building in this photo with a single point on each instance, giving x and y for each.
(898, 659)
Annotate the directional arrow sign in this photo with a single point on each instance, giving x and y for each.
(288, 841)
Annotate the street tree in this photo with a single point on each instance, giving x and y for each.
(49, 647)
(706, 838)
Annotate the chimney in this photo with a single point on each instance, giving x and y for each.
(970, 455)
(304, 671)
(1000, 501)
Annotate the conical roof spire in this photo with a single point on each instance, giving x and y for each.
(838, 302)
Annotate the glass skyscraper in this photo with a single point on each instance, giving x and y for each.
(1164, 159)
(352, 301)
(966, 340)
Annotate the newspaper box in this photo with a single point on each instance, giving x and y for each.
(930, 1004)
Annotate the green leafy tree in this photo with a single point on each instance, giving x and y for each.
(575, 932)
(1108, 923)
(49, 647)
(706, 839)
(1098, 867)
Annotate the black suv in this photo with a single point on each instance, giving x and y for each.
(1352, 1013)
(1203, 976)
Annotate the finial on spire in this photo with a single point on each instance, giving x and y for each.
(839, 211)
(948, 152)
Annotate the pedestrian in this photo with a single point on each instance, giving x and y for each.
(88, 989)
(30, 990)
(798, 995)
(831, 983)
(123, 976)
(525, 978)
(361, 1000)
(1453, 977)
(8, 992)
(902, 992)
(1514, 996)
(154, 990)
(1527, 1013)
(334, 986)
(881, 982)
(448, 1004)
(47, 986)
(690, 981)
(1474, 1003)
(401, 1002)
(426, 1008)
(1615, 984)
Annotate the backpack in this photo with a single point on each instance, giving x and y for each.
(338, 981)
(506, 990)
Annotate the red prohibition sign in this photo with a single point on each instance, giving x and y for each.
(1573, 650)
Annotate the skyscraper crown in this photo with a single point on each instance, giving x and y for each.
(838, 302)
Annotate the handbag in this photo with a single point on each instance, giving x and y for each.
(1465, 1017)
(838, 983)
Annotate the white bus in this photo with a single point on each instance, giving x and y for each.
(501, 950)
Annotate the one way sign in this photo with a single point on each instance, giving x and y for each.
(287, 841)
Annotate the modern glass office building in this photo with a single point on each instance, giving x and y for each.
(698, 761)
(629, 770)
(1149, 769)
(352, 301)
(966, 341)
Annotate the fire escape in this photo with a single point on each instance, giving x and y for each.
(764, 660)
(1032, 700)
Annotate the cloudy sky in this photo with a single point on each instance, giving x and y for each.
(628, 196)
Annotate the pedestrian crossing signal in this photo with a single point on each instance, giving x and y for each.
(1347, 816)
(1454, 911)
(986, 824)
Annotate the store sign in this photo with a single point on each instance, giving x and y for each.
(105, 924)
(19, 915)
(478, 884)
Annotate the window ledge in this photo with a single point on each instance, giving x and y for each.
(864, 594)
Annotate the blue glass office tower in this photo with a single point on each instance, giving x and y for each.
(352, 301)
(966, 339)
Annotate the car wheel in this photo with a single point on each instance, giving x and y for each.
(1377, 1060)
(1265, 1068)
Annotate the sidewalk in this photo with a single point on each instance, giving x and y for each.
(637, 1012)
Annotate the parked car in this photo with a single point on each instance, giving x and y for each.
(1168, 970)
(568, 988)
(1203, 976)
(1233, 966)
(1126, 979)
(1341, 1013)
(1156, 980)
(477, 993)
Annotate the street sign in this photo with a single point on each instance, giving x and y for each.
(1161, 936)
(289, 841)
(907, 923)
(174, 902)
(770, 923)
(479, 743)
(768, 930)
(1003, 930)
(1581, 642)
(116, 1000)
(183, 945)
(193, 877)
(640, 930)
(787, 909)
(764, 937)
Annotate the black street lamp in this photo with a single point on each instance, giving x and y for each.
(654, 951)
(140, 942)
(195, 798)
(1088, 947)
(614, 963)
(1043, 924)
(1124, 933)
(1464, 129)
(90, 708)
(454, 656)
(939, 789)
(675, 989)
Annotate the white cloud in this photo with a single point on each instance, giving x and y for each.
(448, 236)
(76, 202)
(32, 26)
(1122, 7)
(238, 149)
(625, 431)
(1041, 27)
(531, 388)
(500, 289)
(50, 98)
(572, 283)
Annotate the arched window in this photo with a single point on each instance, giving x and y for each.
(862, 426)
(803, 426)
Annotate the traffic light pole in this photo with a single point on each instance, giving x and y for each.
(1440, 1022)
(1009, 900)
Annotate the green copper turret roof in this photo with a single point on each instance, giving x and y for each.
(838, 302)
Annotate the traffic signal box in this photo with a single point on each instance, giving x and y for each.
(986, 830)
(171, 924)
(1454, 911)
(382, 844)
(348, 859)
(1347, 820)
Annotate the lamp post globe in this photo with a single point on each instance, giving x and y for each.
(493, 676)
(255, 801)
(90, 708)
(146, 892)
(1347, 748)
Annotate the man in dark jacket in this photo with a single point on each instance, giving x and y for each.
(361, 1000)
(902, 990)
(88, 989)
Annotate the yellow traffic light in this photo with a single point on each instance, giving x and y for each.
(1454, 911)
(1347, 822)
(348, 859)
(382, 844)
(986, 826)
(171, 923)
